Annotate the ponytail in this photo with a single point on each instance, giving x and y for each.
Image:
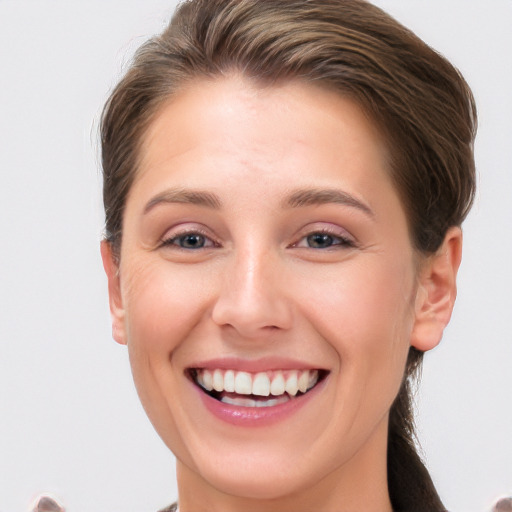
(410, 486)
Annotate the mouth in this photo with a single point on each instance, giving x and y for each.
(262, 389)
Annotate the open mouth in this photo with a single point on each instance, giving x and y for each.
(262, 389)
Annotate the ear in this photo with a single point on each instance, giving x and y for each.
(111, 266)
(436, 293)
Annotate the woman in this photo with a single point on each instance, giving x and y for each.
(284, 184)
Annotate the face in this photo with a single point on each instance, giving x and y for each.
(266, 288)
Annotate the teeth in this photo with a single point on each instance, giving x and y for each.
(303, 382)
(207, 380)
(275, 383)
(278, 385)
(218, 380)
(313, 379)
(292, 384)
(229, 381)
(248, 402)
(261, 385)
(243, 383)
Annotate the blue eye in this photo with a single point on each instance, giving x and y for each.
(323, 240)
(320, 240)
(191, 241)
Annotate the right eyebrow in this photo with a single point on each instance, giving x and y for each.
(181, 195)
(316, 197)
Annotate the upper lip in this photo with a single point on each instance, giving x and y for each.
(254, 366)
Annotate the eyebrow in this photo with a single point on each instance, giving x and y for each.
(314, 197)
(197, 197)
(299, 198)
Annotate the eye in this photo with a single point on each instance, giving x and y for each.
(320, 240)
(191, 240)
(324, 240)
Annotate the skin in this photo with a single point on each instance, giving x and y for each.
(258, 289)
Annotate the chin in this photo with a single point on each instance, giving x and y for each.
(255, 483)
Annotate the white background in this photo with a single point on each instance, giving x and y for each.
(70, 421)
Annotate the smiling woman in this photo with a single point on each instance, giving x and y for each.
(284, 184)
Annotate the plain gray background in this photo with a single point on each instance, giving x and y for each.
(70, 421)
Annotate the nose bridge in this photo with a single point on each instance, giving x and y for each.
(250, 296)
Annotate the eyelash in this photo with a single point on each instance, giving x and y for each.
(336, 240)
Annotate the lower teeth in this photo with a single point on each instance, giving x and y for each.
(249, 402)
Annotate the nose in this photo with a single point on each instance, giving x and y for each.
(252, 297)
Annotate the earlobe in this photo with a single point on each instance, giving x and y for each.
(111, 267)
(437, 289)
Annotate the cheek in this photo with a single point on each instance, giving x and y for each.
(162, 305)
(370, 314)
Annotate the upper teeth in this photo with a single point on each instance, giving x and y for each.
(261, 384)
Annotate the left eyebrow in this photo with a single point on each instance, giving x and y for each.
(315, 197)
(197, 197)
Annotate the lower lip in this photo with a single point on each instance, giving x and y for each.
(257, 416)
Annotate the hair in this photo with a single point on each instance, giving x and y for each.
(419, 101)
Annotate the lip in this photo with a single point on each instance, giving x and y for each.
(256, 416)
(255, 366)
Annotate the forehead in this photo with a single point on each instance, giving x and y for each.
(259, 125)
